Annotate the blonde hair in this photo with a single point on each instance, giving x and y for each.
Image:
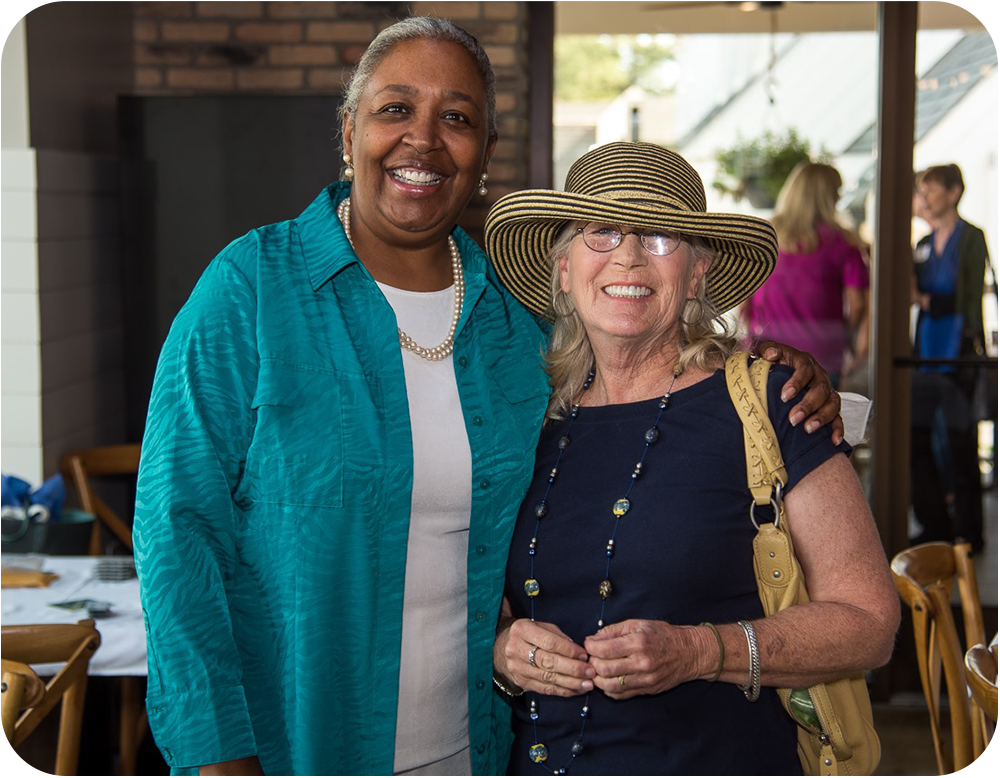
(706, 338)
(807, 199)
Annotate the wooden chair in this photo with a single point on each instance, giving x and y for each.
(79, 467)
(925, 576)
(70, 644)
(21, 689)
(981, 672)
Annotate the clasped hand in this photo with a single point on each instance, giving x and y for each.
(651, 657)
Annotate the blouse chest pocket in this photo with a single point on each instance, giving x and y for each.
(524, 392)
(297, 453)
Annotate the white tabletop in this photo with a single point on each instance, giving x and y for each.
(123, 640)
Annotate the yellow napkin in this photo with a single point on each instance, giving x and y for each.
(19, 577)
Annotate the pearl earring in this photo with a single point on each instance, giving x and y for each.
(349, 170)
(482, 184)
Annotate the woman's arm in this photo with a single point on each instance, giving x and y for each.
(197, 433)
(849, 626)
(858, 324)
(821, 404)
(851, 623)
(973, 256)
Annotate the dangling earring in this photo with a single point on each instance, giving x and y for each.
(692, 321)
(349, 170)
(482, 184)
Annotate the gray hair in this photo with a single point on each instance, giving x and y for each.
(706, 339)
(417, 28)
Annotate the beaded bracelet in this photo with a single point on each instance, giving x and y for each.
(504, 689)
(752, 689)
(722, 649)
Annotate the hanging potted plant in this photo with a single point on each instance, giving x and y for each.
(757, 169)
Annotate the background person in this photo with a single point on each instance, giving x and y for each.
(949, 268)
(817, 297)
(634, 532)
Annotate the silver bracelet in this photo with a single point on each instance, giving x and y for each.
(752, 689)
(504, 689)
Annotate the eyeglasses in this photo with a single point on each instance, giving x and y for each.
(606, 237)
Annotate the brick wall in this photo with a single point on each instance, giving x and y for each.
(309, 48)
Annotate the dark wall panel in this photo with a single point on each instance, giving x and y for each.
(200, 172)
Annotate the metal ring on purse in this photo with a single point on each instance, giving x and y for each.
(776, 503)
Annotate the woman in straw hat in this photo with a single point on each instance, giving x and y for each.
(633, 625)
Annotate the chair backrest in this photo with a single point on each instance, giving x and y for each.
(70, 644)
(22, 688)
(925, 576)
(79, 467)
(981, 672)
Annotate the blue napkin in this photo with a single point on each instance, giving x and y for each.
(14, 491)
(50, 495)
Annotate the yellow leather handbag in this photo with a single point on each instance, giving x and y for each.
(836, 735)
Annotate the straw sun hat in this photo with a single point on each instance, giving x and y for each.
(635, 185)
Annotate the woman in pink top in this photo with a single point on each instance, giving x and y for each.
(817, 297)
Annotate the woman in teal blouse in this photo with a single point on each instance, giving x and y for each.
(339, 436)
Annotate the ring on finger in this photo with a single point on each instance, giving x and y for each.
(531, 656)
(621, 681)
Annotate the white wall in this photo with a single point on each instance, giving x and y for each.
(61, 343)
(14, 90)
(20, 332)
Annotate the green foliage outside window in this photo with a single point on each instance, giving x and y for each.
(757, 168)
(601, 67)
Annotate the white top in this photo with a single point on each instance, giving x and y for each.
(432, 719)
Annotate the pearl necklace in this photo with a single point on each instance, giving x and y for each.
(444, 349)
(539, 752)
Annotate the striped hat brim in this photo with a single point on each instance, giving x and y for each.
(522, 227)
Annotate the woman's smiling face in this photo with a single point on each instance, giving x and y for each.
(628, 296)
(419, 141)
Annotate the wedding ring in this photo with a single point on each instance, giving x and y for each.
(621, 681)
(531, 656)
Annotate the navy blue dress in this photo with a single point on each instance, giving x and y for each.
(682, 555)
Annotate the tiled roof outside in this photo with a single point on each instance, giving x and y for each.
(941, 88)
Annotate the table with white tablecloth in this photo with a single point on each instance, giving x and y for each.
(123, 641)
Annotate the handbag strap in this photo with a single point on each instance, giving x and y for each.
(775, 566)
(766, 471)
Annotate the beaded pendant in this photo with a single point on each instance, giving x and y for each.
(539, 752)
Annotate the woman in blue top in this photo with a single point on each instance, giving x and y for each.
(335, 452)
(630, 583)
(948, 288)
(950, 266)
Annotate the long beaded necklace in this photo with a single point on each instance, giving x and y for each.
(539, 752)
(443, 349)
